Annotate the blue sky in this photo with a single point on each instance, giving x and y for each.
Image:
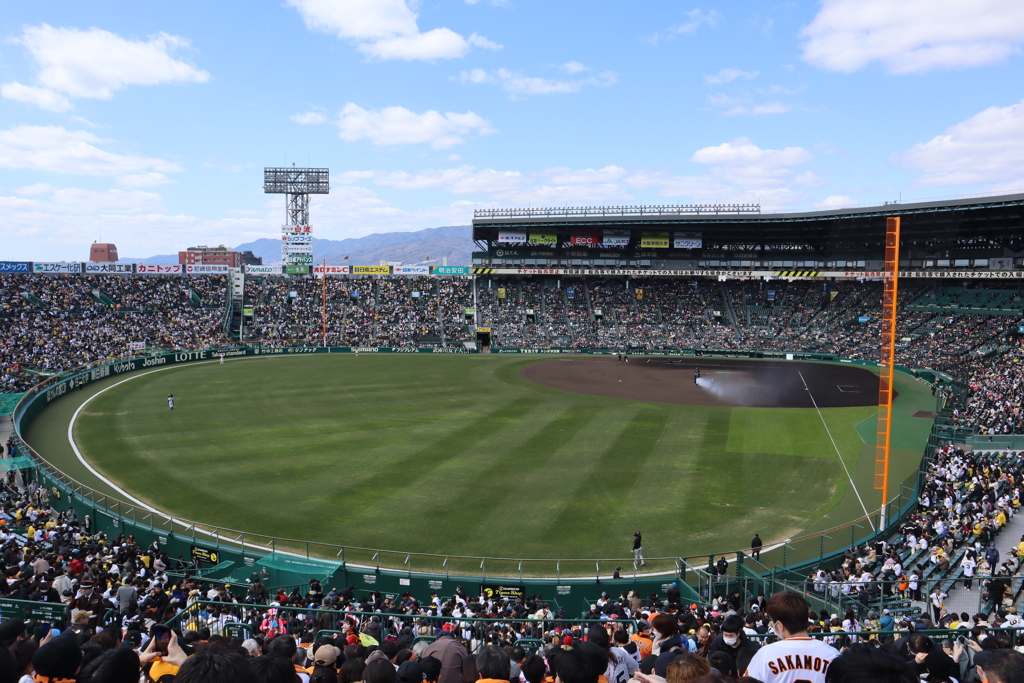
(152, 122)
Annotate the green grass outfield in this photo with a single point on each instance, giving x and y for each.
(459, 455)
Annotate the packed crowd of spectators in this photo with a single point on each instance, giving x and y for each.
(55, 323)
(399, 311)
(660, 639)
(966, 500)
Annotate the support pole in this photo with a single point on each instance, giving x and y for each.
(324, 289)
(887, 361)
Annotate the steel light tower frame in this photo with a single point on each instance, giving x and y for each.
(296, 184)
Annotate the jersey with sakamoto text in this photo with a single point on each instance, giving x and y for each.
(793, 660)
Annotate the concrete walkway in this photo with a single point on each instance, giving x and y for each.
(6, 429)
(963, 600)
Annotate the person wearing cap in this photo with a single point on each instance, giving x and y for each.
(886, 623)
(89, 600)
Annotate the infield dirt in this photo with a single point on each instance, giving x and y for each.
(723, 382)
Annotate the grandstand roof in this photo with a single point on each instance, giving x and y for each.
(992, 220)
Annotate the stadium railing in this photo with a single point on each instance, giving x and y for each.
(232, 619)
(293, 561)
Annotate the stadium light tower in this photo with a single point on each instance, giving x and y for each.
(296, 184)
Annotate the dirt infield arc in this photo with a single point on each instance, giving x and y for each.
(723, 382)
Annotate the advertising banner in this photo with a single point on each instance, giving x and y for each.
(331, 270)
(412, 270)
(291, 237)
(296, 270)
(263, 270)
(512, 236)
(204, 554)
(158, 268)
(543, 238)
(136, 346)
(304, 259)
(584, 238)
(61, 267)
(654, 240)
(498, 592)
(109, 268)
(15, 267)
(615, 238)
(371, 270)
(202, 269)
(295, 229)
(688, 240)
(450, 270)
(297, 248)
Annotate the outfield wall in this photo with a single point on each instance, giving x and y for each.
(232, 556)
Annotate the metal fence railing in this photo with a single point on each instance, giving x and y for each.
(245, 620)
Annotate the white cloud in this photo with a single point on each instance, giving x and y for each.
(56, 150)
(729, 75)
(477, 40)
(519, 86)
(309, 118)
(93, 64)
(738, 171)
(913, 36)
(441, 43)
(742, 151)
(475, 76)
(696, 18)
(44, 98)
(742, 164)
(835, 202)
(759, 109)
(986, 148)
(386, 29)
(399, 126)
(574, 67)
(49, 199)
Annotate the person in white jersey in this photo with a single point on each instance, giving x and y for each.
(222, 359)
(170, 401)
(797, 657)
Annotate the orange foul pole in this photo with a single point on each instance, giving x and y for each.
(887, 358)
(323, 277)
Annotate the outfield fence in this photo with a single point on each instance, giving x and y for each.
(231, 556)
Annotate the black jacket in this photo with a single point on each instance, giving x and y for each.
(741, 653)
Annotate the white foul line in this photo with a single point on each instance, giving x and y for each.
(840, 455)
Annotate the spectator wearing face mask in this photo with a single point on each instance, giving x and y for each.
(733, 641)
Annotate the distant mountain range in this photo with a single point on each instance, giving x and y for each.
(453, 242)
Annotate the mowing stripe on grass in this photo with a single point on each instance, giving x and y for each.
(535, 454)
(609, 485)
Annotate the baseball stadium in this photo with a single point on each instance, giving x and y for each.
(695, 375)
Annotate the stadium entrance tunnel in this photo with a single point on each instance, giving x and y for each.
(711, 381)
